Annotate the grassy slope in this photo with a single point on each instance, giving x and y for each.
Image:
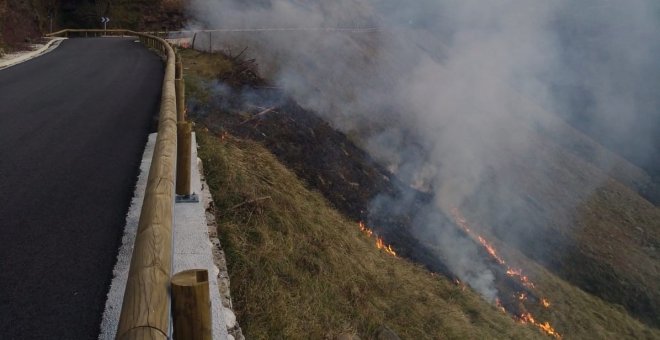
(603, 239)
(576, 314)
(299, 269)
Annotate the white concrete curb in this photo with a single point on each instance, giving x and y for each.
(51, 45)
(192, 247)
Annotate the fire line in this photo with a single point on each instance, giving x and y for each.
(525, 317)
(380, 244)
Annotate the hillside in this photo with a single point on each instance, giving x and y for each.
(539, 182)
(20, 23)
(578, 283)
(301, 270)
(23, 21)
(140, 15)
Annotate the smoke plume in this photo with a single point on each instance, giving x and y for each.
(467, 99)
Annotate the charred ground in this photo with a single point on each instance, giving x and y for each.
(235, 101)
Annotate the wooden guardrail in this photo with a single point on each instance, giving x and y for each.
(145, 311)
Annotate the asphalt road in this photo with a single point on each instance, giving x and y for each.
(73, 125)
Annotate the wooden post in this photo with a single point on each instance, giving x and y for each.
(210, 42)
(180, 99)
(179, 67)
(191, 305)
(180, 91)
(183, 159)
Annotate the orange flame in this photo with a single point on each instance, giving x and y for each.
(512, 272)
(490, 249)
(545, 302)
(365, 230)
(499, 305)
(380, 244)
(545, 326)
(522, 278)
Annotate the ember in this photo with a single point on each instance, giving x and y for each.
(458, 283)
(498, 303)
(545, 302)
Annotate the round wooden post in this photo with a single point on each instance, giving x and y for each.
(179, 66)
(183, 158)
(180, 99)
(191, 305)
(180, 90)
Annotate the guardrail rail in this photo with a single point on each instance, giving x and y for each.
(146, 306)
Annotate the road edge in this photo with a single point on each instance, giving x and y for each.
(51, 45)
(194, 247)
(115, 296)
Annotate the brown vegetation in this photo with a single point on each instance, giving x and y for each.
(301, 270)
(575, 313)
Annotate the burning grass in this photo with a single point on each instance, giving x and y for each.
(576, 314)
(380, 244)
(523, 315)
(301, 270)
(344, 175)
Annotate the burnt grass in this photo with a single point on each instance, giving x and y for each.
(329, 162)
(323, 157)
(247, 107)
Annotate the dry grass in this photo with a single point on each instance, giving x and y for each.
(301, 270)
(200, 64)
(575, 313)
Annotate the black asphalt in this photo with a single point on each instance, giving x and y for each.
(73, 125)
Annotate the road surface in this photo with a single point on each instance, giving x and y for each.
(73, 124)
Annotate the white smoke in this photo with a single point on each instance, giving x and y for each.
(448, 94)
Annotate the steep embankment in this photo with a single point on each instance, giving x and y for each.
(577, 209)
(330, 163)
(301, 270)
